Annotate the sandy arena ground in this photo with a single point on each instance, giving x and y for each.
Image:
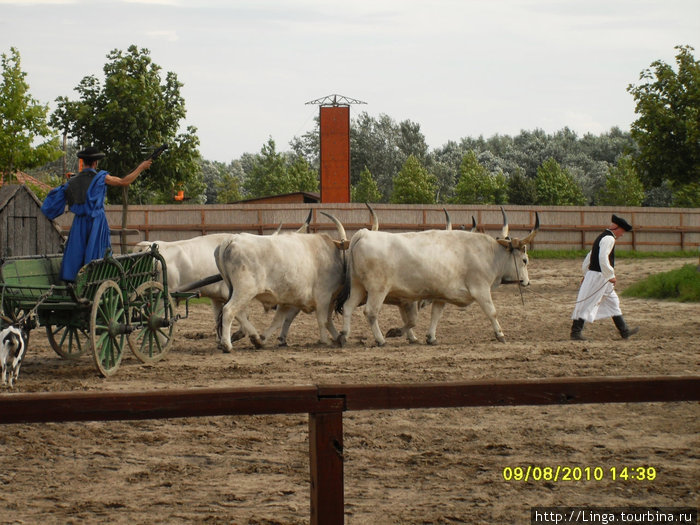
(410, 466)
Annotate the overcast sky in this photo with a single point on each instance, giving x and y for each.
(459, 68)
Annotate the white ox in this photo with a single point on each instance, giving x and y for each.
(191, 260)
(456, 267)
(295, 271)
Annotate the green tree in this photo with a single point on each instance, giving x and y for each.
(127, 116)
(622, 186)
(687, 196)
(556, 187)
(476, 185)
(667, 129)
(22, 122)
(521, 189)
(268, 174)
(301, 176)
(413, 184)
(366, 189)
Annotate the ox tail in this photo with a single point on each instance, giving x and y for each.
(201, 283)
(347, 280)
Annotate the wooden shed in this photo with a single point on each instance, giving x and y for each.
(24, 230)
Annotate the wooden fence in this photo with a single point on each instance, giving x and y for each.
(325, 405)
(562, 227)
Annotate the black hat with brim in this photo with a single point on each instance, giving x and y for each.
(622, 223)
(91, 153)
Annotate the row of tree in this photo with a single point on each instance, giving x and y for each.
(134, 109)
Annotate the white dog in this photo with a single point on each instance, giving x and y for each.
(13, 345)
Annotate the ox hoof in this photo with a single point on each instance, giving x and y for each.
(379, 344)
(225, 349)
(237, 336)
(501, 338)
(341, 340)
(394, 332)
(431, 340)
(281, 343)
(257, 342)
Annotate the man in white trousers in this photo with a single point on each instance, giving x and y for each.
(596, 296)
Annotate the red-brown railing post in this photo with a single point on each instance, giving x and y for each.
(326, 462)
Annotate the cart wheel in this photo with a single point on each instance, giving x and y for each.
(152, 325)
(108, 328)
(68, 341)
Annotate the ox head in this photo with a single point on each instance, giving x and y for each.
(13, 346)
(515, 268)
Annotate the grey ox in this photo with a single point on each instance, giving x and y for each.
(292, 270)
(444, 266)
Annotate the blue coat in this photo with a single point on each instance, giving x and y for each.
(89, 234)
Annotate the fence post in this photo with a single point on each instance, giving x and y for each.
(326, 462)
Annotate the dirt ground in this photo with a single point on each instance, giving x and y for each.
(405, 466)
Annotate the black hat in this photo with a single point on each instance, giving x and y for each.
(622, 223)
(91, 153)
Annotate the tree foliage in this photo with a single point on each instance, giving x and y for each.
(477, 186)
(273, 173)
(556, 187)
(366, 189)
(22, 122)
(413, 184)
(668, 125)
(622, 186)
(133, 111)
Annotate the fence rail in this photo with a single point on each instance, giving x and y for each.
(562, 227)
(325, 405)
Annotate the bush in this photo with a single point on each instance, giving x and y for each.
(681, 285)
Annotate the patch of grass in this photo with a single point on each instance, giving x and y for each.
(619, 254)
(682, 284)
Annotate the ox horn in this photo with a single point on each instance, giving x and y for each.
(304, 228)
(504, 230)
(448, 225)
(279, 229)
(473, 225)
(531, 235)
(343, 243)
(375, 219)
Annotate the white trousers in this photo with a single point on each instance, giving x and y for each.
(596, 299)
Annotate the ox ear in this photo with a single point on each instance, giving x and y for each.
(506, 243)
(342, 245)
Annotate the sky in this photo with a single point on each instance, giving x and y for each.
(459, 68)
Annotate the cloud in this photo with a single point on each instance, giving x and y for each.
(167, 35)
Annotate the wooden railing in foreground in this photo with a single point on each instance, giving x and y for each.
(325, 405)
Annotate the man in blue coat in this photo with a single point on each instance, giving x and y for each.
(88, 238)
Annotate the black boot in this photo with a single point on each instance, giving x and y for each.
(625, 331)
(576, 329)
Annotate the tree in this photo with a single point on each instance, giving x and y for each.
(622, 186)
(273, 173)
(229, 186)
(556, 187)
(476, 185)
(22, 122)
(668, 127)
(128, 115)
(413, 184)
(521, 189)
(366, 189)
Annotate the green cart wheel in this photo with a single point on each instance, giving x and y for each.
(151, 315)
(68, 341)
(108, 321)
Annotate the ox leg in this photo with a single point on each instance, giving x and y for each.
(483, 297)
(409, 314)
(357, 294)
(280, 324)
(372, 308)
(291, 315)
(435, 315)
(234, 308)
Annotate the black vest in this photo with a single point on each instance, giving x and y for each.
(594, 265)
(77, 187)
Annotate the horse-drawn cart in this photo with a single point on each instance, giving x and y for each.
(113, 301)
